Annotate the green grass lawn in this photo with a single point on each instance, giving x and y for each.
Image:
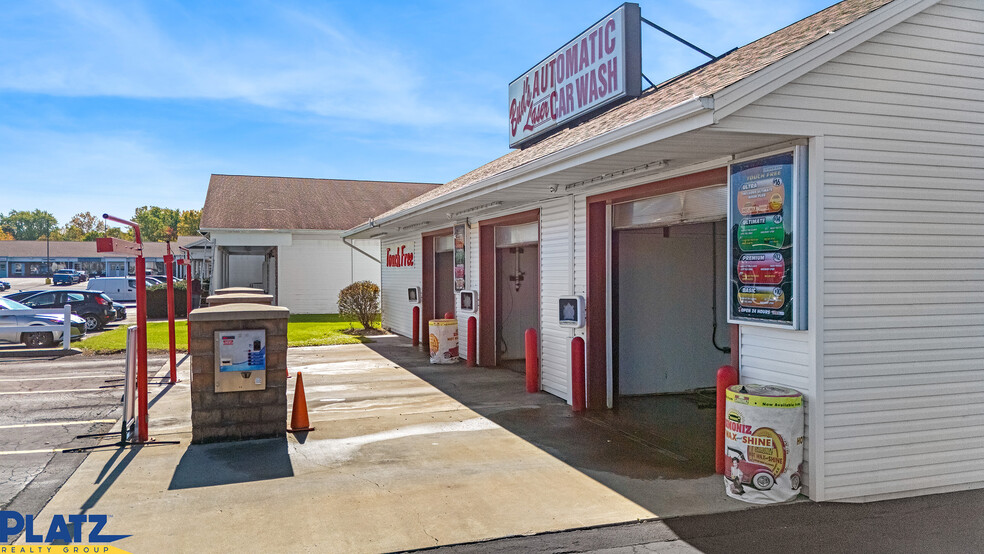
(302, 330)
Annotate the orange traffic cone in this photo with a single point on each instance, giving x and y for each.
(299, 416)
(288, 372)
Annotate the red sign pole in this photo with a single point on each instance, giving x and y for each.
(169, 274)
(117, 245)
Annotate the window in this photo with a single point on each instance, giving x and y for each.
(41, 299)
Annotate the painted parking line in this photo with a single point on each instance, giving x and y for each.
(56, 378)
(51, 391)
(44, 451)
(57, 423)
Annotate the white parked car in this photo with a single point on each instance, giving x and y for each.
(49, 325)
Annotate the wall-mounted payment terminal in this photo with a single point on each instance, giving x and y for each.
(571, 311)
(468, 301)
(240, 360)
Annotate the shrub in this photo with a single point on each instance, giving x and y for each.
(360, 301)
(157, 300)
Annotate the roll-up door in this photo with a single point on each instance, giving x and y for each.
(676, 208)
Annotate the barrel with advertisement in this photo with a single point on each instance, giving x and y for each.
(763, 443)
(443, 341)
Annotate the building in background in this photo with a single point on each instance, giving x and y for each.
(283, 235)
(29, 258)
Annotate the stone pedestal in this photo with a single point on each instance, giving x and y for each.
(241, 415)
(240, 290)
(239, 298)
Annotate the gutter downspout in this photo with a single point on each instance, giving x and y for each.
(361, 251)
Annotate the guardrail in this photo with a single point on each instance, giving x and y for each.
(66, 325)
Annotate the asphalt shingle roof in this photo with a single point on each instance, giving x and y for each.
(249, 202)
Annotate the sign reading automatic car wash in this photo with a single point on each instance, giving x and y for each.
(766, 232)
(599, 66)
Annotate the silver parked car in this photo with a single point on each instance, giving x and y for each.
(49, 325)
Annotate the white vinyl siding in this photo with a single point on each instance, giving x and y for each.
(397, 309)
(471, 283)
(555, 281)
(773, 356)
(312, 271)
(903, 307)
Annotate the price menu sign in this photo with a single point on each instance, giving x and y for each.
(766, 236)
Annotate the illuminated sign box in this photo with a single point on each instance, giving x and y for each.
(766, 240)
(600, 66)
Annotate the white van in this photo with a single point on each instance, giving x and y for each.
(120, 289)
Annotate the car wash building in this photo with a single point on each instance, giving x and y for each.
(808, 208)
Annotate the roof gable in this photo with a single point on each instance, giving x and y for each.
(250, 202)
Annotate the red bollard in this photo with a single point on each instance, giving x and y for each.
(416, 325)
(577, 374)
(726, 377)
(532, 362)
(448, 315)
(472, 341)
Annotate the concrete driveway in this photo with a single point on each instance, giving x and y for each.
(394, 463)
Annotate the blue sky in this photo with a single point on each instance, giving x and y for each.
(107, 106)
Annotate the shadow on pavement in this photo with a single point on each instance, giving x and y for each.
(224, 463)
(111, 478)
(635, 450)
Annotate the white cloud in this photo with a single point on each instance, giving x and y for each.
(297, 62)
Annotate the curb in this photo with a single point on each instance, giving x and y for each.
(39, 353)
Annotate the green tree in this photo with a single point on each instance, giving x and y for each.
(190, 222)
(156, 223)
(24, 225)
(104, 230)
(80, 226)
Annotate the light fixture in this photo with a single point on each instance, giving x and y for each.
(455, 215)
(413, 226)
(658, 164)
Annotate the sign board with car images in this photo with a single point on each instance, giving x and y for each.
(240, 360)
(460, 256)
(766, 239)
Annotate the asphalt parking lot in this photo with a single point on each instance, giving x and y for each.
(45, 403)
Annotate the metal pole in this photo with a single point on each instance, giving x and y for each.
(169, 274)
(67, 328)
(142, 432)
(187, 264)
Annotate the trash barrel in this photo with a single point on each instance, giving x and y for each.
(763, 443)
(443, 341)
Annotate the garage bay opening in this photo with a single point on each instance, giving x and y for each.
(517, 275)
(669, 320)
